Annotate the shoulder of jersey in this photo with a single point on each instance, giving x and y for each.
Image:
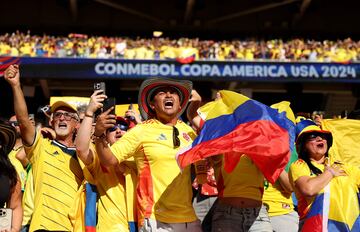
(299, 161)
(149, 121)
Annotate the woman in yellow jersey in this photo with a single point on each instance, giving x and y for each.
(315, 175)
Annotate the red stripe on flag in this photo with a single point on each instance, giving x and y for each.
(90, 229)
(265, 142)
(313, 224)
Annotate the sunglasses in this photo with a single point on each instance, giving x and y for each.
(67, 116)
(312, 137)
(176, 140)
(123, 127)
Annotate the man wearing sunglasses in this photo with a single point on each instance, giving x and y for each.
(164, 193)
(56, 171)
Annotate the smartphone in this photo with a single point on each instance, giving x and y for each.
(5, 218)
(100, 86)
(108, 103)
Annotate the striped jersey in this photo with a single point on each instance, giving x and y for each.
(57, 176)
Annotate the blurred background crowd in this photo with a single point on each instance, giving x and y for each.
(157, 47)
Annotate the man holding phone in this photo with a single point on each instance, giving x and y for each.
(164, 193)
(109, 181)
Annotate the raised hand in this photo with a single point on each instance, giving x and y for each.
(104, 121)
(195, 96)
(336, 170)
(96, 102)
(12, 75)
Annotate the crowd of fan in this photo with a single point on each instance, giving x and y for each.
(84, 46)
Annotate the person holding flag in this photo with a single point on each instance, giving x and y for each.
(164, 194)
(326, 189)
(253, 141)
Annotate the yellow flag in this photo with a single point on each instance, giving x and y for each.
(346, 140)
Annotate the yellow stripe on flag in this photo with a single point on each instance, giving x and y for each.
(226, 105)
(346, 140)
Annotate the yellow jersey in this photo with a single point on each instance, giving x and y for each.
(163, 192)
(110, 184)
(57, 176)
(18, 167)
(245, 180)
(277, 201)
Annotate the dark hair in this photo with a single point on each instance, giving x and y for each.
(6, 167)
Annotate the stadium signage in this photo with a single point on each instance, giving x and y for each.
(204, 70)
(225, 70)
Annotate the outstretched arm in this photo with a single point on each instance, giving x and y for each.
(27, 129)
(83, 137)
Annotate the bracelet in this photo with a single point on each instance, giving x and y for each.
(89, 116)
(331, 171)
(102, 136)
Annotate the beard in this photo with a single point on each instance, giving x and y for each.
(62, 132)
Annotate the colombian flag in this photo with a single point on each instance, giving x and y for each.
(236, 124)
(186, 60)
(90, 209)
(83, 213)
(335, 210)
(5, 62)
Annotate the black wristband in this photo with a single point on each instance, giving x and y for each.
(102, 136)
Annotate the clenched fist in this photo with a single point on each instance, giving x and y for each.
(12, 75)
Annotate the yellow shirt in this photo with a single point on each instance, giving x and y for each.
(245, 180)
(130, 53)
(109, 183)
(277, 201)
(28, 199)
(163, 192)
(18, 167)
(300, 168)
(57, 177)
(168, 52)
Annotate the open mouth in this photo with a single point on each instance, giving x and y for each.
(62, 125)
(169, 104)
(320, 145)
(118, 135)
